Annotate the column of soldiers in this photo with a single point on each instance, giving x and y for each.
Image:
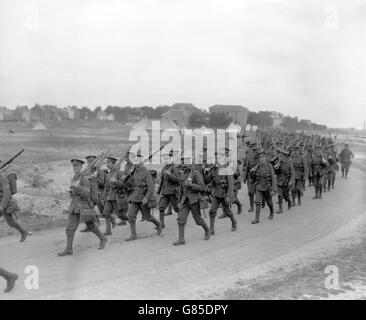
(268, 168)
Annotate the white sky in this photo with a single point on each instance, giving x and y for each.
(302, 58)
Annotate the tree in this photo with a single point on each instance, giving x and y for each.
(219, 120)
(197, 119)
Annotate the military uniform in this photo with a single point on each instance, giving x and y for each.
(142, 185)
(285, 175)
(265, 184)
(301, 173)
(345, 157)
(9, 207)
(250, 161)
(81, 209)
(222, 193)
(237, 187)
(168, 190)
(192, 185)
(318, 171)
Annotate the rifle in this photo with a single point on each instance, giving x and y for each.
(7, 163)
(118, 165)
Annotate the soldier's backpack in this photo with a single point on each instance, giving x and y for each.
(12, 178)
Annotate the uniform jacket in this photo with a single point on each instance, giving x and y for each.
(346, 156)
(237, 181)
(300, 166)
(113, 190)
(141, 183)
(318, 165)
(222, 185)
(264, 177)
(285, 173)
(192, 192)
(170, 181)
(250, 161)
(80, 196)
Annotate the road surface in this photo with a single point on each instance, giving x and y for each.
(152, 268)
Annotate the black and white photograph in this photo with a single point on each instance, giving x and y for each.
(196, 151)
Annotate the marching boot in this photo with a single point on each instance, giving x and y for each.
(133, 235)
(293, 204)
(263, 204)
(180, 240)
(207, 230)
(280, 210)
(101, 236)
(68, 250)
(251, 201)
(113, 221)
(10, 279)
(238, 203)
(222, 216)
(316, 193)
(257, 213)
(159, 226)
(212, 225)
(320, 193)
(234, 224)
(23, 233)
(108, 229)
(299, 200)
(289, 204)
(271, 211)
(161, 218)
(122, 223)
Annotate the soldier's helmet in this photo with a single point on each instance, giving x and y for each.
(77, 161)
(111, 159)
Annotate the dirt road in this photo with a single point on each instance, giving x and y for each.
(151, 268)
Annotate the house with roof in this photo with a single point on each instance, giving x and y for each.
(237, 113)
(179, 113)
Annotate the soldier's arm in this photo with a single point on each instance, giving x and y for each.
(161, 182)
(306, 169)
(174, 176)
(6, 192)
(199, 184)
(292, 177)
(273, 179)
(83, 189)
(230, 189)
(150, 186)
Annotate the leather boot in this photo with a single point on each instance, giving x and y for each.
(257, 213)
(299, 200)
(23, 233)
(288, 204)
(68, 250)
(161, 218)
(280, 210)
(102, 237)
(133, 235)
(207, 230)
(113, 221)
(212, 225)
(238, 203)
(180, 240)
(293, 204)
(10, 279)
(222, 216)
(233, 223)
(159, 226)
(108, 229)
(320, 193)
(263, 204)
(251, 201)
(271, 211)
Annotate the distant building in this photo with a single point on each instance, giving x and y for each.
(237, 113)
(103, 116)
(179, 113)
(73, 113)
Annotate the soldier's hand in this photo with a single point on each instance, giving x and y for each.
(227, 200)
(144, 201)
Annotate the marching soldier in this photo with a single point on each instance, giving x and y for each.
(10, 279)
(251, 160)
(318, 171)
(192, 185)
(81, 209)
(140, 181)
(222, 193)
(265, 185)
(345, 157)
(9, 207)
(285, 175)
(97, 182)
(301, 173)
(237, 186)
(114, 196)
(332, 169)
(168, 187)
